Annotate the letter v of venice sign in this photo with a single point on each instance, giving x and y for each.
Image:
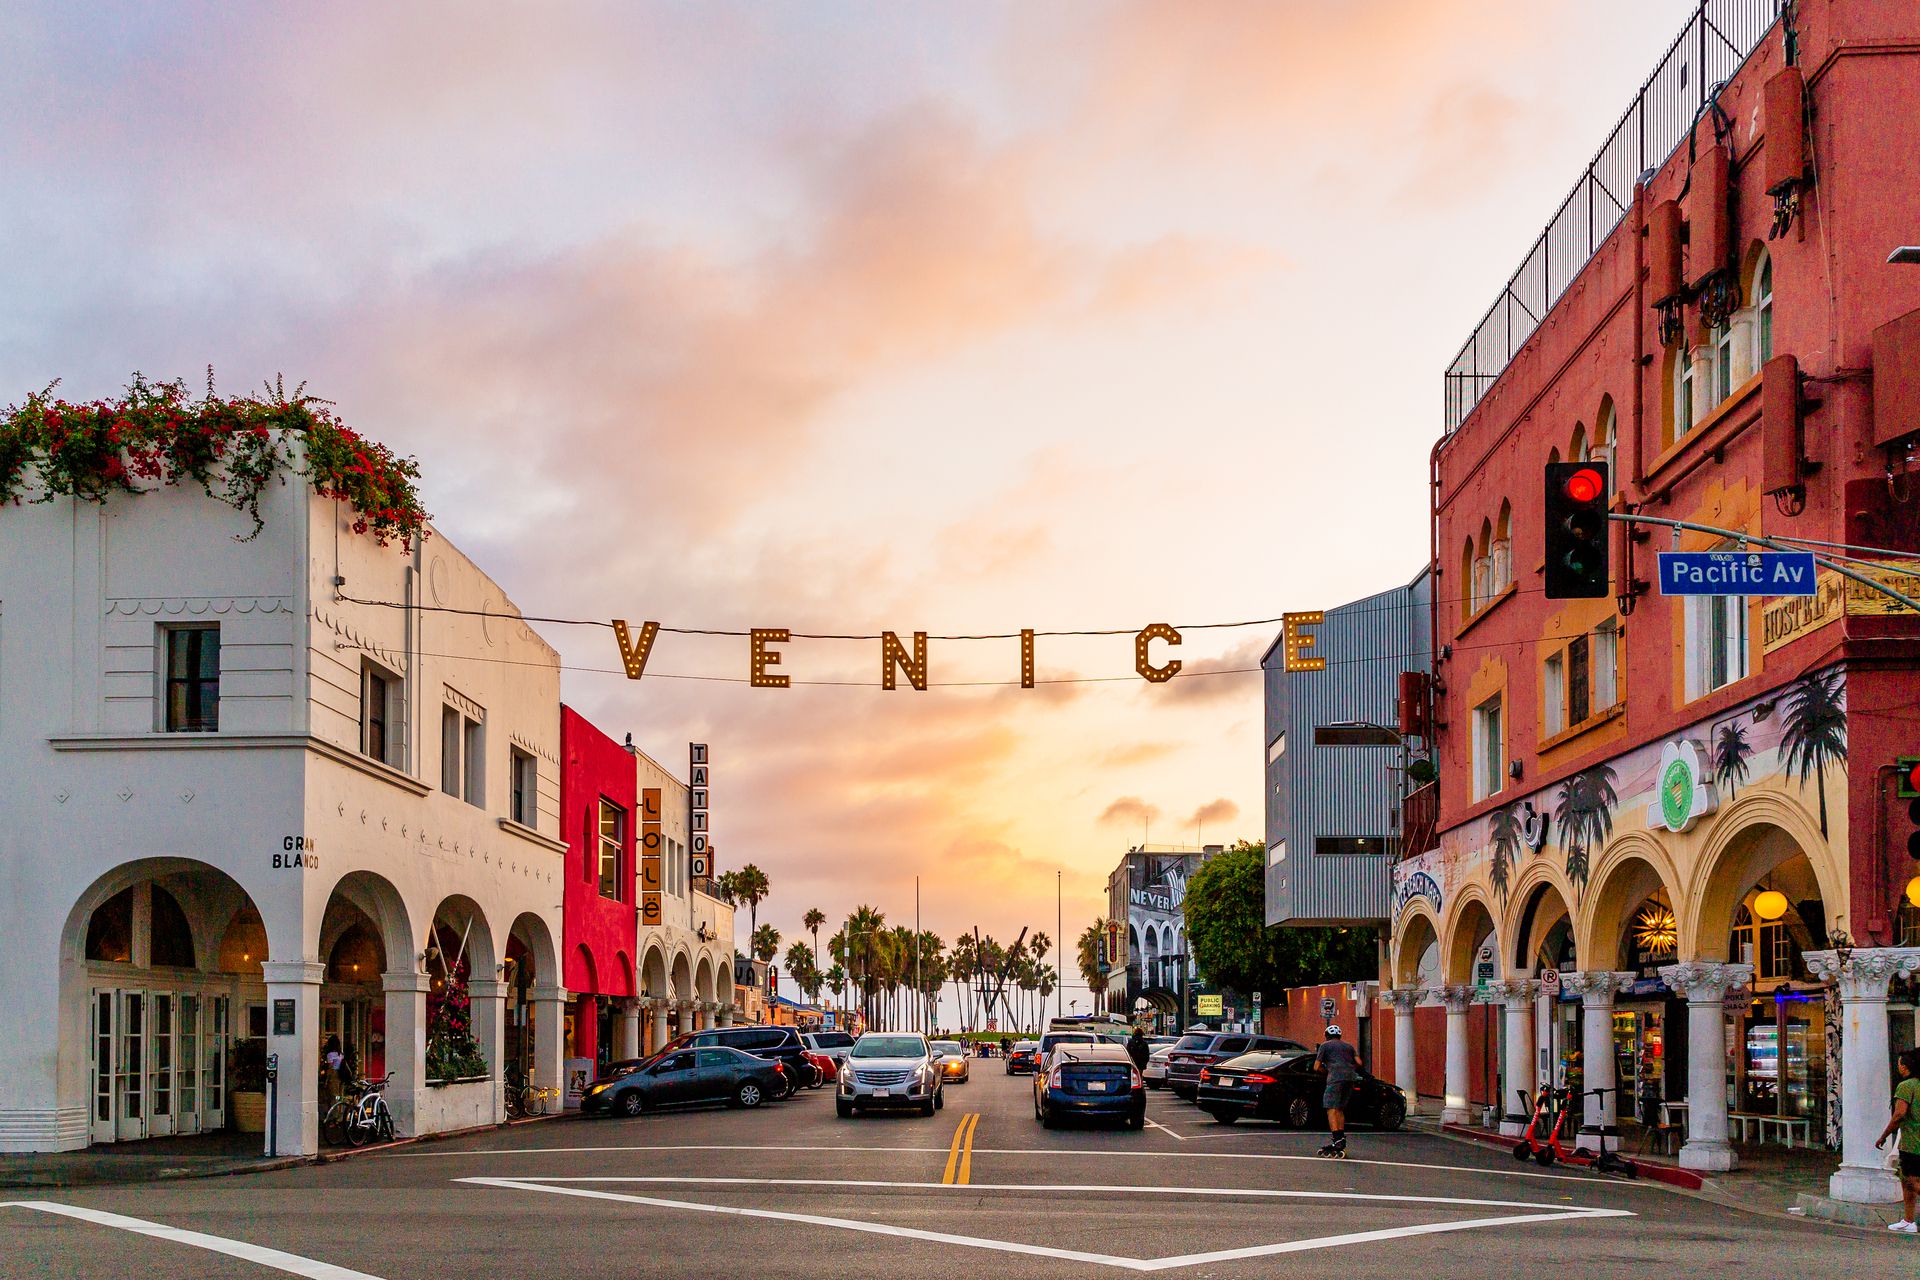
(1738, 573)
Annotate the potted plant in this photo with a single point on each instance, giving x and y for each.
(247, 1081)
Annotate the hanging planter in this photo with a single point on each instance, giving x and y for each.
(232, 447)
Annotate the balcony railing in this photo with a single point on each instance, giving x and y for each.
(1713, 44)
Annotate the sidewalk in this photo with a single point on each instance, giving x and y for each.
(207, 1155)
(1770, 1179)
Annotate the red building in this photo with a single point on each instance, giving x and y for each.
(598, 803)
(1668, 847)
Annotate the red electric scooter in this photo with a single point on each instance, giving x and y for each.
(1602, 1160)
(1535, 1139)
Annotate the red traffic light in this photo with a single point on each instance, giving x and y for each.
(1585, 485)
(1911, 776)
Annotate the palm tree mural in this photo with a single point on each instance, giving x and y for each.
(1584, 814)
(1730, 753)
(1816, 730)
(1504, 831)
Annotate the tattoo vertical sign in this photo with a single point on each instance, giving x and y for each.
(650, 843)
(698, 769)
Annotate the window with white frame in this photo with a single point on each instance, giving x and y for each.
(1682, 392)
(526, 787)
(1716, 642)
(380, 704)
(1553, 683)
(612, 848)
(1722, 362)
(463, 755)
(1579, 660)
(1606, 664)
(1762, 302)
(1605, 432)
(1489, 749)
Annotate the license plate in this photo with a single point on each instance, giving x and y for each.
(1096, 1086)
(883, 1093)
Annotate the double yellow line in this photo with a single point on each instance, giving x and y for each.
(960, 1153)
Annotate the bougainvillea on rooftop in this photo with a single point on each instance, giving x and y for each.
(233, 447)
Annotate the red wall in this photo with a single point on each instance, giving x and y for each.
(1299, 1018)
(599, 934)
(1601, 340)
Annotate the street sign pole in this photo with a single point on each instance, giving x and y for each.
(1740, 535)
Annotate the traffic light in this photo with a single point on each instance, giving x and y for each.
(1906, 785)
(1576, 525)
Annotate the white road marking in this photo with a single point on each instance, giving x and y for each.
(292, 1263)
(1155, 1124)
(1541, 1213)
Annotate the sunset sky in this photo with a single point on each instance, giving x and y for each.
(836, 317)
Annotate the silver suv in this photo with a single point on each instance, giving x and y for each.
(889, 1069)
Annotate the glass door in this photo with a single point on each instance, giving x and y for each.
(104, 1043)
(187, 1107)
(213, 1070)
(160, 1006)
(130, 1070)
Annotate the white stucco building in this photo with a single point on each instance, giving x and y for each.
(237, 804)
(686, 961)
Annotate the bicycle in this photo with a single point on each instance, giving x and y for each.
(370, 1118)
(335, 1124)
(525, 1100)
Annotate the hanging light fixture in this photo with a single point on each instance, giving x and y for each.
(1655, 929)
(1770, 905)
(1913, 891)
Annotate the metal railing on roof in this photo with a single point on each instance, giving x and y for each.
(1706, 53)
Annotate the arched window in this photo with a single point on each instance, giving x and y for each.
(1605, 428)
(1577, 451)
(1680, 417)
(1760, 298)
(110, 930)
(1722, 362)
(1502, 550)
(170, 938)
(1469, 599)
(1483, 565)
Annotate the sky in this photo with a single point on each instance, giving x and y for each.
(954, 317)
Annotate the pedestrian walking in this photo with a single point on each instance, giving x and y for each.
(1138, 1049)
(1906, 1121)
(1342, 1064)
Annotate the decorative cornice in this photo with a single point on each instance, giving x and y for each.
(1514, 992)
(1867, 971)
(1597, 986)
(1455, 998)
(1706, 981)
(304, 973)
(1401, 1000)
(195, 606)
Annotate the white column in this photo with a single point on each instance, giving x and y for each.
(488, 1001)
(1517, 996)
(1596, 990)
(406, 1045)
(1866, 1077)
(657, 1039)
(549, 1036)
(702, 1015)
(1403, 1003)
(685, 1009)
(1705, 985)
(725, 1014)
(294, 1123)
(1454, 1108)
(629, 1029)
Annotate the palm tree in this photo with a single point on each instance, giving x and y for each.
(766, 943)
(1584, 812)
(862, 947)
(1504, 828)
(1730, 753)
(750, 883)
(1816, 732)
(726, 887)
(961, 963)
(836, 980)
(811, 922)
(1092, 947)
(1039, 944)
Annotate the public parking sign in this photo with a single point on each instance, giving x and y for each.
(1738, 573)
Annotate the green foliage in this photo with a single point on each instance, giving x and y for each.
(232, 447)
(1234, 947)
(452, 1052)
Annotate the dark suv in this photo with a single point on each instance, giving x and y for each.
(777, 1044)
(1199, 1049)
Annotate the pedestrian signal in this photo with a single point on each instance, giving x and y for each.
(1576, 531)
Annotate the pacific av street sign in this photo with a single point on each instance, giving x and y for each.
(1738, 573)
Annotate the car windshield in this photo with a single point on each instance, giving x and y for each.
(949, 1047)
(1025, 1046)
(1194, 1042)
(890, 1047)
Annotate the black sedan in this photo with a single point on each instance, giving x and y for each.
(1287, 1087)
(1024, 1059)
(684, 1078)
(1089, 1081)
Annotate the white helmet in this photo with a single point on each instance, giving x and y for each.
(1333, 1031)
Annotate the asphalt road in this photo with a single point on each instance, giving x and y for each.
(978, 1190)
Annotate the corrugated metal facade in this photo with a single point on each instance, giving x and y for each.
(1319, 793)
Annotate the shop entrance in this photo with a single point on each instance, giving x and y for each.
(157, 1062)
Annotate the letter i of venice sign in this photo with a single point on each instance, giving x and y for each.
(1683, 793)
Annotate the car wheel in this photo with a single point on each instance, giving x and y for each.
(631, 1103)
(1393, 1114)
(1046, 1120)
(1137, 1121)
(1299, 1113)
(1222, 1115)
(940, 1100)
(928, 1107)
(749, 1094)
(843, 1108)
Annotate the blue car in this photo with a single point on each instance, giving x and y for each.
(1089, 1081)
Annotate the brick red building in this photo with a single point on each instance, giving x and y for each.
(1667, 837)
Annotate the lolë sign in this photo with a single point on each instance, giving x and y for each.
(697, 796)
(650, 856)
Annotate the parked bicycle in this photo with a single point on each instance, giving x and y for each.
(369, 1120)
(340, 1113)
(527, 1099)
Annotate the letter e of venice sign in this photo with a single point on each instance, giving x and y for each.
(650, 842)
(1682, 793)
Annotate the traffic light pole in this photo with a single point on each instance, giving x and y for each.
(1773, 544)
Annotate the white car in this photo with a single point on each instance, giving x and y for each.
(889, 1069)
(1156, 1069)
(951, 1057)
(833, 1045)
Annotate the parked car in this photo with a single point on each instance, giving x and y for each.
(777, 1044)
(1090, 1081)
(683, 1078)
(1054, 1039)
(1155, 1072)
(1287, 1087)
(829, 1044)
(1199, 1049)
(1024, 1058)
(824, 1069)
(889, 1069)
(951, 1057)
